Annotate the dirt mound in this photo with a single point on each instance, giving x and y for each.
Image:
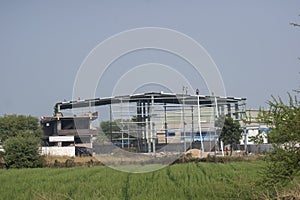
(196, 153)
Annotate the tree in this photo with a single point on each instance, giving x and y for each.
(231, 133)
(19, 125)
(22, 152)
(113, 130)
(284, 161)
(21, 138)
(108, 131)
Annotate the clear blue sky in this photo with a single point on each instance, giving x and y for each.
(43, 43)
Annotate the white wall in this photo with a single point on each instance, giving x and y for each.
(59, 151)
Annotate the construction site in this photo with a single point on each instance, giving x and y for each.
(142, 123)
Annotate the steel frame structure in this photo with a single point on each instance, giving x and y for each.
(162, 113)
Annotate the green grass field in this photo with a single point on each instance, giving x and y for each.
(232, 180)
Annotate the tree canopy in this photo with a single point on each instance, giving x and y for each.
(112, 130)
(18, 125)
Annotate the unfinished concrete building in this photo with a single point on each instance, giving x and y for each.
(70, 132)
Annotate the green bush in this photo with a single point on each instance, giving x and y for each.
(284, 161)
(19, 125)
(21, 152)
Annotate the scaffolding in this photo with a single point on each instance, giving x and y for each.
(150, 121)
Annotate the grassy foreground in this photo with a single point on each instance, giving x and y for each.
(181, 181)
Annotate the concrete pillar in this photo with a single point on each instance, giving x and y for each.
(228, 110)
(236, 107)
(153, 133)
(149, 127)
(193, 134)
(145, 126)
(222, 110)
(139, 124)
(166, 124)
(58, 125)
(183, 124)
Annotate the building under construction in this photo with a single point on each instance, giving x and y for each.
(67, 132)
(148, 122)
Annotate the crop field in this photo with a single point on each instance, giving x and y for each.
(234, 180)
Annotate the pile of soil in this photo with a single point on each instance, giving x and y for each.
(196, 153)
